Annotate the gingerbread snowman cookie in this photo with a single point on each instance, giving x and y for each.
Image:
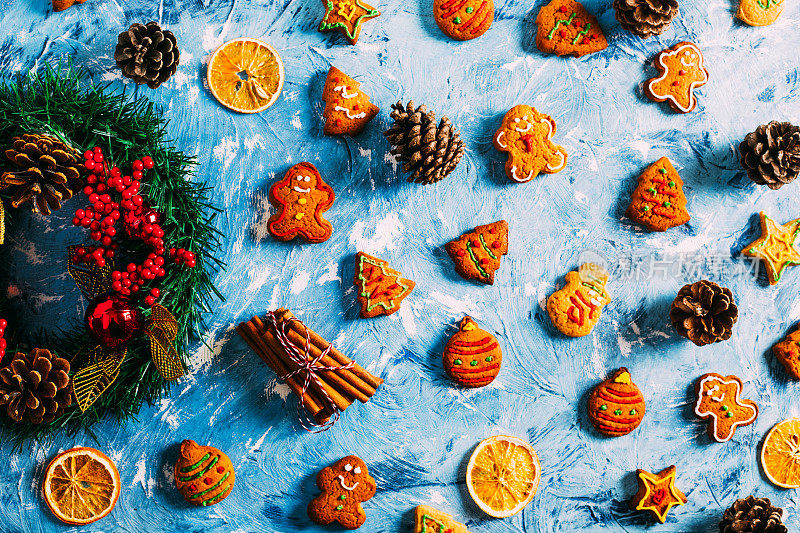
(527, 136)
(301, 198)
(345, 486)
(576, 308)
(719, 402)
(682, 70)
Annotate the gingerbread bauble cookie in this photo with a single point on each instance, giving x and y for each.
(203, 474)
(472, 357)
(463, 19)
(345, 486)
(616, 406)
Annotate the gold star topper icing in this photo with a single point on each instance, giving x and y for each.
(347, 17)
(657, 493)
(775, 247)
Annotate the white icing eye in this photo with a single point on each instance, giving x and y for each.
(357, 470)
(308, 178)
(348, 467)
(516, 119)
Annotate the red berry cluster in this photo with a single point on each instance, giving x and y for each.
(182, 257)
(3, 343)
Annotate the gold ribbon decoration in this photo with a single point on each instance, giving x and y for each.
(162, 328)
(91, 279)
(91, 381)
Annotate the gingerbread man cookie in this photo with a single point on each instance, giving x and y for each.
(345, 486)
(463, 19)
(301, 198)
(718, 401)
(576, 308)
(681, 72)
(527, 136)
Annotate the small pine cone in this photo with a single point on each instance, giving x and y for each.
(147, 54)
(645, 17)
(36, 387)
(429, 153)
(771, 154)
(51, 172)
(704, 312)
(752, 515)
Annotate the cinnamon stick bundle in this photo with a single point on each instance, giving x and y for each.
(339, 387)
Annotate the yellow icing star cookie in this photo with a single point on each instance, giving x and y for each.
(657, 493)
(775, 247)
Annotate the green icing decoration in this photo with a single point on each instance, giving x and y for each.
(217, 497)
(457, 20)
(603, 407)
(724, 407)
(474, 362)
(329, 26)
(729, 415)
(662, 170)
(457, 362)
(646, 208)
(488, 251)
(666, 204)
(470, 9)
(582, 33)
(618, 412)
(212, 487)
(425, 529)
(489, 359)
(652, 190)
(370, 305)
(769, 4)
(201, 472)
(671, 183)
(566, 22)
(197, 464)
(342, 497)
(633, 412)
(339, 507)
(475, 260)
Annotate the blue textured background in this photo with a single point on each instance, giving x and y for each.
(418, 431)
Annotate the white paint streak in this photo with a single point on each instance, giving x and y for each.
(299, 281)
(331, 273)
(387, 232)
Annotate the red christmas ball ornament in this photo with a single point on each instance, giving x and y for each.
(112, 321)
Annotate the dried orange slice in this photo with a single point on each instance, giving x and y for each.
(245, 75)
(780, 454)
(81, 486)
(503, 475)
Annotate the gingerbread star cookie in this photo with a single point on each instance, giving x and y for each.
(347, 16)
(657, 493)
(759, 12)
(776, 247)
(429, 520)
(527, 136)
(719, 402)
(566, 28)
(682, 71)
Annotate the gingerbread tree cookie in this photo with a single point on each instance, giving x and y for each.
(575, 309)
(301, 198)
(657, 493)
(658, 203)
(776, 247)
(347, 108)
(682, 71)
(527, 136)
(565, 27)
(719, 402)
(429, 520)
(477, 254)
(347, 16)
(345, 486)
(380, 288)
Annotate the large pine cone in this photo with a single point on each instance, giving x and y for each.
(771, 154)
(428, 152)
(51, 172)
(36, 387)
(147, 54)
(752, 515)
(704, 312)
(645, 17)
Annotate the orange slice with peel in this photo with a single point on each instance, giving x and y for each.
(503, 475)
(245, 75)
(81, 486)
(780, 454)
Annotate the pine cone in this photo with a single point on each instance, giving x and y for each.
(752, 515)
(147, 54)
(51, 172)
(36, 387)
(645, 17)
(771, 154)
(428, 152)
(704, 312)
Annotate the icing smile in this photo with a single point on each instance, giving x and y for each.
(689, 64)
(344, 484)
(526, 129)
(301, 190)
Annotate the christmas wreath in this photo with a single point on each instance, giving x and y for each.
(142, 258)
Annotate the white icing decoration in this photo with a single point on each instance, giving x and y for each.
(348, 467)
(344, 485)
(301, 190)
(560, 163)
(549, 127)
(692, 87)
(500, 136)
(528, 128)
(714, 415)
(347, 112)
(520, 180)
(343, 89)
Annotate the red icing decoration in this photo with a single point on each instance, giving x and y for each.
(193, 487)
(208, 481)
(461, 253)
(528, 140)
(484, 261)
(220, 469)
(495, 244)
(658, 496)
(682, 72)
(475, 244)
(563, 9)
(676, 83)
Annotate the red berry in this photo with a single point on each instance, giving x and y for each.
(115, 172)
(98, 150)
(159, 261)
(136, 174)
(126, 282)
(98, 156)
(116, 286)
(137, 165)
(131, 267)
(135, 288)
(100, 262)
(88, 190)
(3, 345)
(89, 164)
(116, 275)
(88, 154)
(155, 292)
(191, 264)
(3, 323)
(102, 187)
(149, 300)
(106, 241)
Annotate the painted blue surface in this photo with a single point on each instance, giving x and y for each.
(418, 431)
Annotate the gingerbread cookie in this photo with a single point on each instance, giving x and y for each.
(759, 12)
(681, 72)
(616, 406)
(203, 474)
(657, 493)
(566, 28)
(347, 16)
(301, 198)
(718, 402)
(345, 486)
(472, 357)
(380, 288)
(477, 254)
(429, 520)
(658, 202)
(776, 247)
(576, 308)
(463, 19)
(787, 352)
(347, 108)
(527, 136)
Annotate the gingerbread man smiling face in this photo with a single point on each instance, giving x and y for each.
(301, 198)
(345, 486)
(527, 135)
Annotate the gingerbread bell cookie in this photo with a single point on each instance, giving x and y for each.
(776, 247)
(301, 198)
(379, 287)
(657, 493)
(682, 70)
(472, 357)
(719, 401)
(575, 309)
(345, 486)
(463, 19)
(203, 474)
(477, 254)
(759, 12)
(527, 136)
(658, 202)
(566, 28)
(787, 352)
(430, 520)
(347, 108)
(346, 16)
(616, 406)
